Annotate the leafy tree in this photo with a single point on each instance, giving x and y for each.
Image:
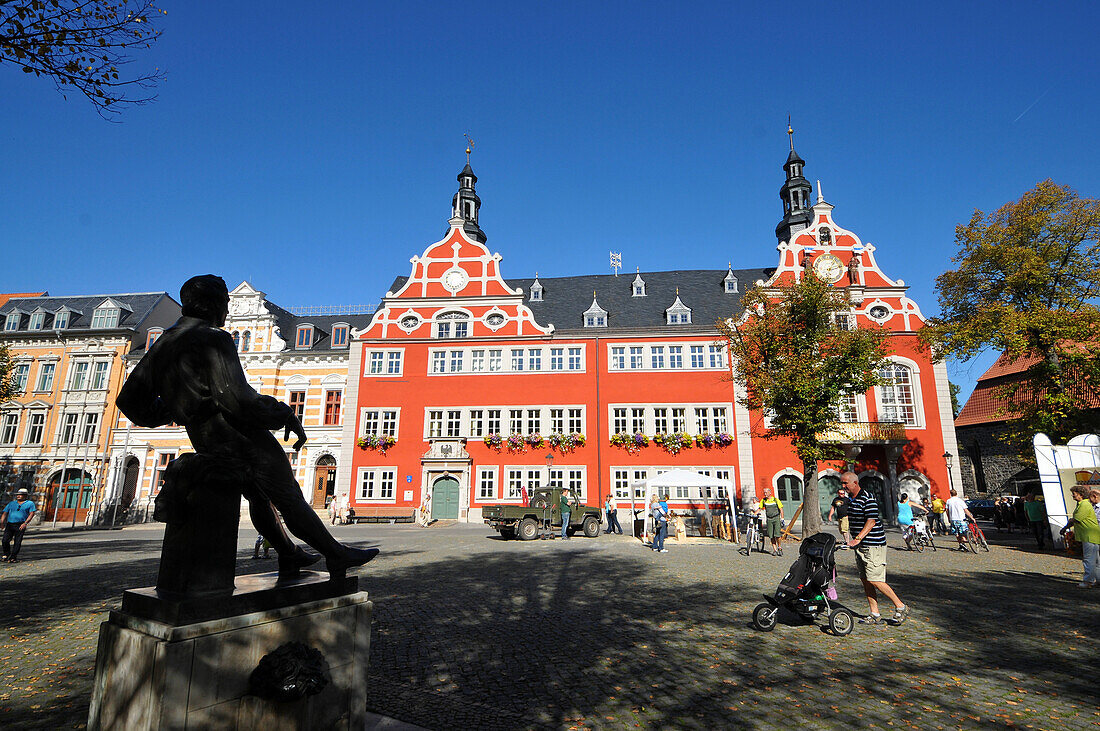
(1027, 282)
(7, 384)
(82, 44)
(795, 364)
(956, 407)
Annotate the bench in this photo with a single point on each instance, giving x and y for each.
(390, 513)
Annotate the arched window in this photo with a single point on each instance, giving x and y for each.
(246, 341)
(237, 340)
(789, 489)
(896, 397)
(452, 325)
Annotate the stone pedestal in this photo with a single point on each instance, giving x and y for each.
(156, 673)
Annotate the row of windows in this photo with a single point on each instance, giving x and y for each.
(493, 360)
(103, 317)
(669, 419)
(72, 429)
(520, 480)
(477, 423)
(623, 478)
(665, 357)
(333, 405)
(307, 334)
(382, 363)
(84, 375)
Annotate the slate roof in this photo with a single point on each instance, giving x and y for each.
(288, 323)
(564, 299)
(82, 307)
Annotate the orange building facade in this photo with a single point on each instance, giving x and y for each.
(465, 383)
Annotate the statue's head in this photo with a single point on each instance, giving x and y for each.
(205, 297)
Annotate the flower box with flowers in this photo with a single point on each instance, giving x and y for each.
(535, 441)
(565, 443)
(493, 441)
(674, 442)
(721, 439)
(630, 442)
(381, 443)
(516, 443)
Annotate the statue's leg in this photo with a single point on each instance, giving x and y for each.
(266, 521)
(275, 479)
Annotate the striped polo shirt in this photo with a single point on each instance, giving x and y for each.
(861, 509)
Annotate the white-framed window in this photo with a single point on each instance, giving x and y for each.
(557, 421)
(618, 358)
(696, 356)
(718, 419)
(847, 410)
(517, 359)
(100, 370)
(657, 356)
(534, 421)
(717, 357)
(36, 426)
(78, 376)
(640, 476)
(595, 320)
(897, 395)
(637, 419)
(456, 361)
(618, 421)
(576, 361)
(379, 422)
(477, 423)
(61, 320)
(676, 357)
(382, 362)
(702, 420)
(37, 320)
(452, 325)
(486, 483)
(534, 359)
(303, 339)
(9, 427)
(731, 283)
(11, 322)
(435, 423)
(514, 486)
(377, 484)
(515, 421)
(679, 419)
(454, 423)
(104, 317)
(477, 361)
(492, 421)
(495, 360)
(45, 377)
(576, 421)
(660, 420)
(620, 483)
(20, 373)
(679, 317)
(557, 359)
(91, 429)
(69, 426)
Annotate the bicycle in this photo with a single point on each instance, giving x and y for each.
(753, 535)
(918, 536)
(975, 537)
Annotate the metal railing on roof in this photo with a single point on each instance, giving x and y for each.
(322, 310)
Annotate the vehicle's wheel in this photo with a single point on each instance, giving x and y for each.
(591, 526)
(765, 616)
(841, 622)
(540, 502)
(971, 543)
(528, 529)
(508, 533)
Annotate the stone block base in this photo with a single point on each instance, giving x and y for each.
(151, 675)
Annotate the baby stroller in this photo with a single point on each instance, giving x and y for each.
(803, 590)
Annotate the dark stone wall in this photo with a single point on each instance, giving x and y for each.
(989, 466)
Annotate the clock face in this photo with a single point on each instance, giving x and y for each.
(455, 279)
(828, 268)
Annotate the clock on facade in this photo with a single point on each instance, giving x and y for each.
(455, 279)
(828, 268)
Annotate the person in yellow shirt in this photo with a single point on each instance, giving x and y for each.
(939, 507)
(773, 515)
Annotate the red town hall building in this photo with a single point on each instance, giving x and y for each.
(465, 381)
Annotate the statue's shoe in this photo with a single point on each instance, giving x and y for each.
(348, 558)
(289, 566)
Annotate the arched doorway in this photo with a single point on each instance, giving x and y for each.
(827, 488)
(68, 495)
(445, 499)
(324, 481)
(877, 486)
(129, 483)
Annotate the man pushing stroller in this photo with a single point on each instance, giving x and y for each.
(869, 542)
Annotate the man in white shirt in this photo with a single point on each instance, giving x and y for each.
(957, 516)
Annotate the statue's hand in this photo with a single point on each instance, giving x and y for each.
(294, 425)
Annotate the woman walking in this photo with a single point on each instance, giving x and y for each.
(612, 510)
(1086, 530)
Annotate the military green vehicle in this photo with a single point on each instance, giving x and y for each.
(526, 521)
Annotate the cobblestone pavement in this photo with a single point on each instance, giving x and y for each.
(472, 631)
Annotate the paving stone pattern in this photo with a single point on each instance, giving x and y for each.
(475, 632)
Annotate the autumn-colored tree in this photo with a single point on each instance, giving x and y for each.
(7, 385)
(1026, 284)
(82, 45)
(796, 365)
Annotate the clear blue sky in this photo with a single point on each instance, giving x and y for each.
(312, 148)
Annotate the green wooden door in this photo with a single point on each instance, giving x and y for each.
(445, 499)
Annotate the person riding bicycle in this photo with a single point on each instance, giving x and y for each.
(958, 515)
(905, 518)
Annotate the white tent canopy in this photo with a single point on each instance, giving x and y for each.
(680, 485)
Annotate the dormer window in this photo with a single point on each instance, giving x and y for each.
(105, 317)
(11, 322)
(61, 320)
(536, 290)
(678, 313)
(340, 336)
(304, 337)
(638, 286)
(151, 336)
(730, 283)
(38, 319)
(452, 325)
(595, 316)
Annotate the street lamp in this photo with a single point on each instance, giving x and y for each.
(948, 457)
(549, 466)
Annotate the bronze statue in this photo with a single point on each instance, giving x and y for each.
(192, 376)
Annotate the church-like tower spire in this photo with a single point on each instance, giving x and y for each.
(795, 195)
(466, 204)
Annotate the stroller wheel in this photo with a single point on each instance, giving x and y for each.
(765, 616)
(841, 622)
